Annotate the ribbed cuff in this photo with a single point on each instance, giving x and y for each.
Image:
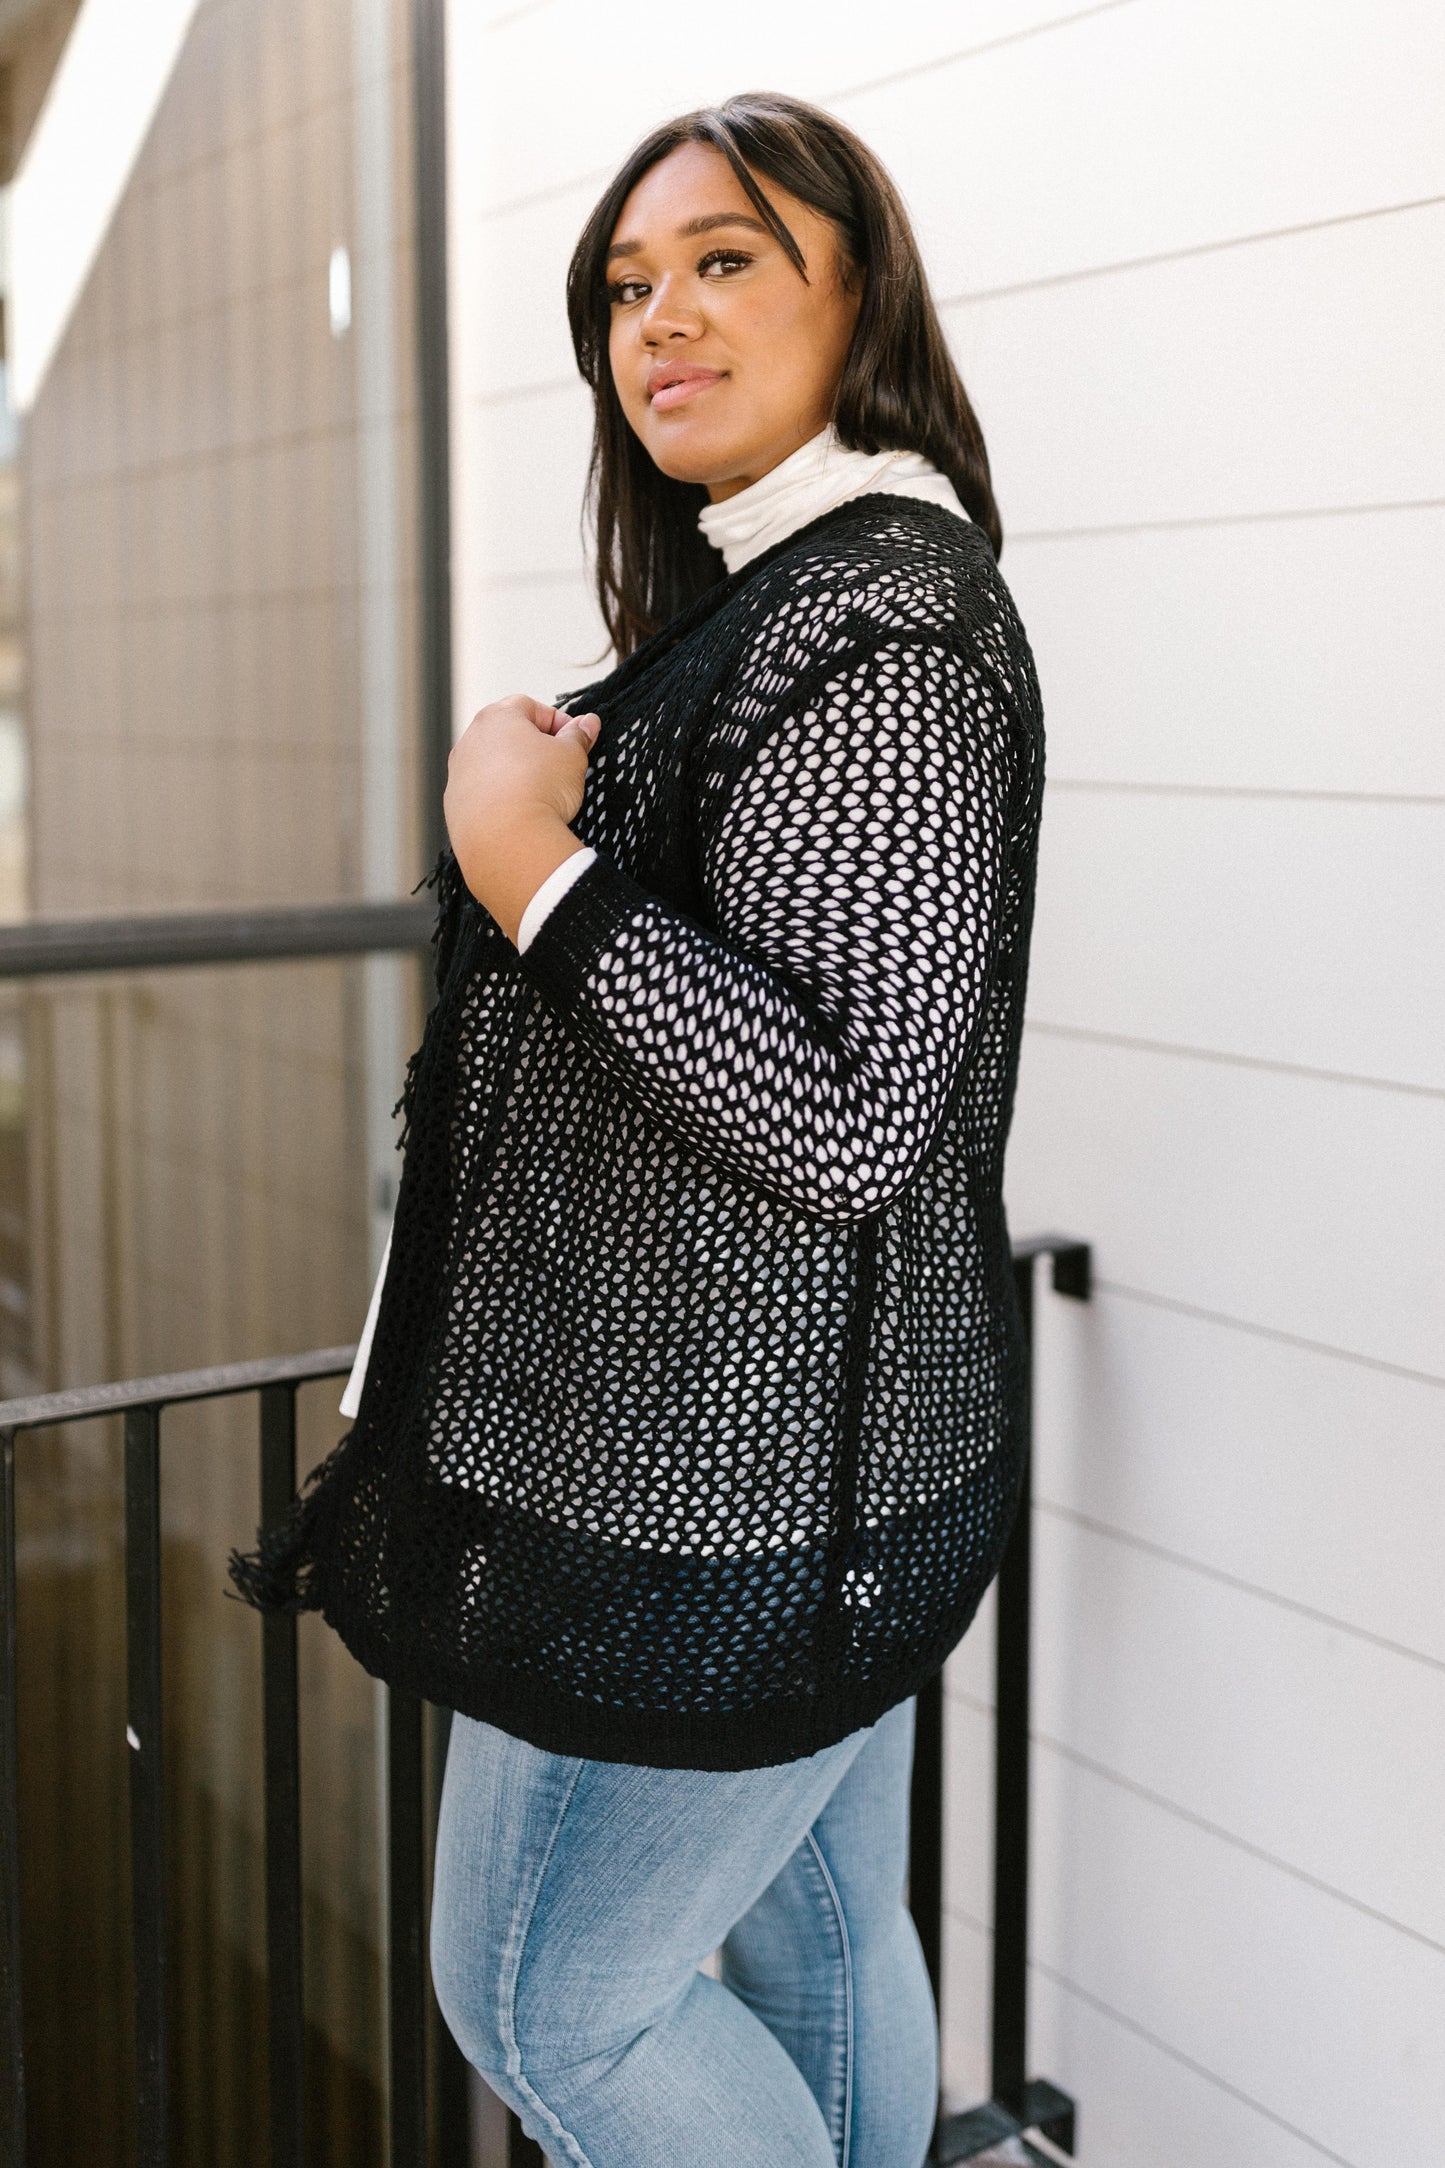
(580, 927)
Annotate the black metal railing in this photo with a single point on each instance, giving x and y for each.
(1019, 2104)
(165, 942)
(142, 1403)
(61, 947)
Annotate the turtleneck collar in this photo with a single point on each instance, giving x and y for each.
(810, 481)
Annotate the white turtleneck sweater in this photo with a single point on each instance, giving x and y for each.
(819, 475)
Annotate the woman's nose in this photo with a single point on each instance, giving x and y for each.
(668, 316)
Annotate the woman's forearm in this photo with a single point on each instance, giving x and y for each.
(505, 867)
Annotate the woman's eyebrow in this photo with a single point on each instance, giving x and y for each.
(709, 224)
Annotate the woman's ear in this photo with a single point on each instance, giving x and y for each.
(852, 279)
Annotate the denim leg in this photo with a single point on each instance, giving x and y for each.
(829, 1959)
(573, 1903)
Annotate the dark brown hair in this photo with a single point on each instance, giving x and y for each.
(900, 389)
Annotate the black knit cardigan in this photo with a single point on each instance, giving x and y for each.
(692, 1429)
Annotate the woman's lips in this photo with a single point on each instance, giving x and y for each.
(672, 395)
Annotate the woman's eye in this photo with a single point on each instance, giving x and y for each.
(724, 259)
(721, 261)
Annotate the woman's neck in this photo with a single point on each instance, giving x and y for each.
(809, 482)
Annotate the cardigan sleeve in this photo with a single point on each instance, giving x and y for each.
(551, 891)
(808, 1039)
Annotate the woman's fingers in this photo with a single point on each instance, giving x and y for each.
(587, 726)
(549, 720)
(538, 712)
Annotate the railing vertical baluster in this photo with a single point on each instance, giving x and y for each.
(522, 2151)
(147, 1804)
(1017, 2101)
(12, 2119)
(925, 1832)
(1011, 1767)
(280, 1700)
(451, 2105)
(406, 2002)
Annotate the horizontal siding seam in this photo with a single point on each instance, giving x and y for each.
(1235, 1581)
(956, 1915)
(1191, 249)
(1269, 515)
(1018, 537)
(513, 15)
(1222, 1058)
(963, 1918)
(960, 54)
(551, 192)
(967, 1700)
(1188, 2062)
(1126, 1293)
(499, 582)
(536, 388)
(1188, 1815)
(1237, 1843)
(596, 176)
(1221, 1575)
(1123, 787)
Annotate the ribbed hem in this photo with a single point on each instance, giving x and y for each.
(533, 1710)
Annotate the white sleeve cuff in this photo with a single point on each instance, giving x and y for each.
(351, 1399)
(552, 890)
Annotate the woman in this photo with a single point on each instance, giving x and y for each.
(690, 1432)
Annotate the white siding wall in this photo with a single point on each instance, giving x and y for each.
(1190, 252)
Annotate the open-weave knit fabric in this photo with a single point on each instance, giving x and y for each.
(692, 1428)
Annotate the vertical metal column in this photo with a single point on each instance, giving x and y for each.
(12, 2109)
(281, 1734)
(147, 1801)
(429, 83)
(384, 441)
(434, 431)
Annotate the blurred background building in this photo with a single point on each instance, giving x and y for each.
(210, 521)
(1190, 255)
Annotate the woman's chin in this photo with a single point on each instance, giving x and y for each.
(695, 455)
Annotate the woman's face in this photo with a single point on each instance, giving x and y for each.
(724, 358)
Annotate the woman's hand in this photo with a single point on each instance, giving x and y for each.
(515, 778)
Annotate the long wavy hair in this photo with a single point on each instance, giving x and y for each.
(900, 389)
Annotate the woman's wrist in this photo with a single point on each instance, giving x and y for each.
(505, 867)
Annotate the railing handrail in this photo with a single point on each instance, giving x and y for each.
(40, 948)
(80, 1402)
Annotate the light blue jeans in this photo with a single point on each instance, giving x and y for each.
(574, 1901)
